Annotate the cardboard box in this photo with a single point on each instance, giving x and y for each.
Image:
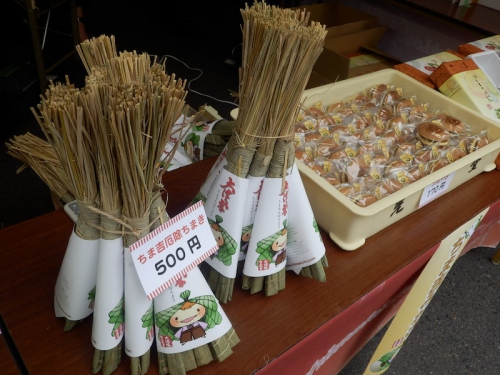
(340, 19)
(464, 82)
(341, 57)
(421, 69)
(348, 224)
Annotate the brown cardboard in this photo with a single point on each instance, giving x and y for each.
(333, 63)
(352, 42)
(340, 19)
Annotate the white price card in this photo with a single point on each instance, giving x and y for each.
(435, 190)
(174, 248)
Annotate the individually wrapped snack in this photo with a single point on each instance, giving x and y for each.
(360, 102)
(334, 107)
(405, 151)
(326, 144)
(398, 120)
(364, 159)
(377, 92)
(357, 122)
(348, 150)
(436, 165)
(383, 114)
(363, 199)
(351, 168)
(451, 124)
(312, 136)
(455, 153)
(426, 154)
(403, 106)
(383, 188)
(430, 133)
(316, 110)
(326, 120)
(395, 135)
(392, 96)
(420, 112)
(477, 141)
(306, 125)
(306, 153)
(346, 189)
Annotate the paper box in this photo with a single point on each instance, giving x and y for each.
(491, 43)
(489, 63)
(465, 83)
(340, 19)
(421, 69)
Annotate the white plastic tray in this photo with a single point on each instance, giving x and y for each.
(348, 224)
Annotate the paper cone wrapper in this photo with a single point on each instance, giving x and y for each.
(225, 208)
(212, 177)
(267, 250)
(305, 245)
(193, 142)
(187, 315)
(108, 320)
(75, 286)
(254, 189)
(139, 324)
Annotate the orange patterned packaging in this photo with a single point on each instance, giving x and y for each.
(491, 43)
(421, 69)
(465, 83)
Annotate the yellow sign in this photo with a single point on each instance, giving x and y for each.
(421, 295)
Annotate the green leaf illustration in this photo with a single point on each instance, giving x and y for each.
(91, 298)
(228, 248)
(116, 316)
(147, 320)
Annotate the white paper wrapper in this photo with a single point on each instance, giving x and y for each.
(305, 245)
(108, 320)
(183, 326)
(212, 177)
(139, 324)
(75, 285)
(194, 140)
(267, 250)
(254, 189)
(225, 208)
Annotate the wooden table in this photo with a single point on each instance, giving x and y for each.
(307, 323)
(8, 364)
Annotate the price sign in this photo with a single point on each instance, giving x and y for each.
(435, 190)
(171, 250)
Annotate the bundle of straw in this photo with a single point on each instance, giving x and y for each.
(62, 119)
(39, 155)
(280, 48)
(142, 114)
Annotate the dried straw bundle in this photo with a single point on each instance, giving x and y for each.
(280, 48)
(40, 156)
(62, 119)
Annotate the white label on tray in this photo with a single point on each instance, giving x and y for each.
(177, 246)
(435, 190)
